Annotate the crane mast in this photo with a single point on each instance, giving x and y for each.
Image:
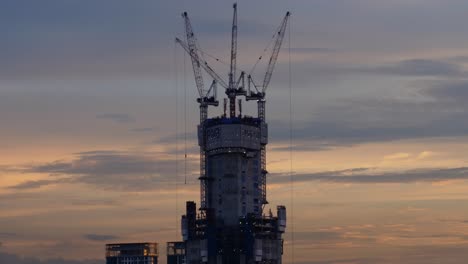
(207, 97)
(231, 91)
(260, 96)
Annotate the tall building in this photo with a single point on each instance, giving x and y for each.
(175, 252)
(132, 253)
(230, 225)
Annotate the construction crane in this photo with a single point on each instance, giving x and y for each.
(200, 62)
(259, 95)
(231, 91)
(207, 96)
(232, 226)
(233, 88)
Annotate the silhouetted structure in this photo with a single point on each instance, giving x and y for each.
(175, 252)
(132, 253)
(230, 226)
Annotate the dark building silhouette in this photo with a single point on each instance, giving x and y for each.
(175, 252)
(230, 226)
(132, 253)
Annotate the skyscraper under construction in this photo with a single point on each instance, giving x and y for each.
(230, 225)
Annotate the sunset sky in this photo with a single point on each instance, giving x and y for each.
(97, 111)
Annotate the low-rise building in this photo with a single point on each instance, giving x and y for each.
(132, 253)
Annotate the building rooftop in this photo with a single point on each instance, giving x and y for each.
(132, 249)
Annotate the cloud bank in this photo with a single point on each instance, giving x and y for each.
(366, 176)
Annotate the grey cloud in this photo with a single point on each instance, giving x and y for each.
(97, 152)
(125, 171)
(327, 205)
(354, 121)
(7, 234)
(143, 129)
(450, 91)
(173, 138)
(332, 240)
(93, 202)
(170, 143)
(350, 122)
(421, 67)
(434, 236)
(310, 50)
(310, 146)
(323, 78)
(102, 37)
(318, 136)
(8, 258)
(320, 70)
(435, 254)
(79, 37)
(100, 237)
(368, 238)
(450, 254)
(411, 67)
(363, 176)
(105, 38)
(117, 117)
(33, 184)
(318, 236)
(459, 59)
(329, 239)
(192, 149)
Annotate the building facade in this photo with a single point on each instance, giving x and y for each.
(175, 252)
(231, 227)
(132, 253)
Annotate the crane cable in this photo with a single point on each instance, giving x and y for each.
(213, 57)
(185, 118)
(291, 142)
(267, 47)
(176, 80)
(265, 50)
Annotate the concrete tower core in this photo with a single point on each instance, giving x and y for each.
(234, 170)
(232, 228)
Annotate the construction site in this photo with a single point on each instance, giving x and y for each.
(230, 225)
